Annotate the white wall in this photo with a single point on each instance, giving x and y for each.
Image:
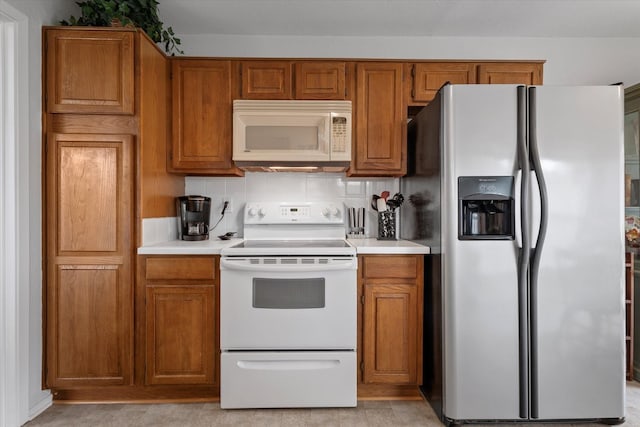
(570, 61)
(39, 13)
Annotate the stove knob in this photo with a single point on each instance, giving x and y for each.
(261, 212)
(326, 212)
(252, 212)
(335, 212)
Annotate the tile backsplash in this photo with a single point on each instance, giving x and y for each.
(287, 187)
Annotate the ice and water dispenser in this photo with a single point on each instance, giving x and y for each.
(486, 208)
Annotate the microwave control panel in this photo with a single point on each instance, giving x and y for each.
(339, 134)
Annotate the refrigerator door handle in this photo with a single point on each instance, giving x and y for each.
(536, 251)
(525, 250)
(518, 229)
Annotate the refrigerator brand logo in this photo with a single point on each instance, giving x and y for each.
(487, 185)
(487, 188)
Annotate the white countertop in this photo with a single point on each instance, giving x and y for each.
(214, 246)
(183, 247)
(375, 246)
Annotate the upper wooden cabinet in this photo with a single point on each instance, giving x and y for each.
(323, 80)
(266, 79)
(202, 112)
(526, 73)
(320, 80)
(428, 77)
(90, 71)
(380, 117)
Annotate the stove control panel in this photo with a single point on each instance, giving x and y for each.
(291, 213)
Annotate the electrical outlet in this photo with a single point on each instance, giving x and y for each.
(229, 206)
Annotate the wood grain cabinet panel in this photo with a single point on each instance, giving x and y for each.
(404, 267)
(180, 335)
(320, 80)
(391, 289)
(380, 118)
(428, 77)
(202, 111)
(88, 188)
(179, 338)
(390, 324)
(90, 72)
(526, 73)
(266, 79)
(89, 320)
(181, 268)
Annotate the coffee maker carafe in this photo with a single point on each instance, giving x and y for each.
(194, 214)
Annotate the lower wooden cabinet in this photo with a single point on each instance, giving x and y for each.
(180, 335)
(89, 323)
(391, 291)
(181, 345)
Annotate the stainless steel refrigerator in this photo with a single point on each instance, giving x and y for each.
(519, 192)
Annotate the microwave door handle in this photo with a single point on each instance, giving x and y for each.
(325, 137)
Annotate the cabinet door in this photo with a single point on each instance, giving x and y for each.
(180, 335)
(90, 71)
(320, 80)
(525, 73)
(390, 333)
(380, 118)
(202, 117)
(429, 77)
(266, 79)
(89, 216)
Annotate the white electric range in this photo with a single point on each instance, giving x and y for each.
(288, 305)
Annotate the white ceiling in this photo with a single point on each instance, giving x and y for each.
(411, 18)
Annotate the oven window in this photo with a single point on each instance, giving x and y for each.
(288, 293)
(278, 138)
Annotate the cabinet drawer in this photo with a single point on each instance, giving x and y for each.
(385, 266)
(183, 268)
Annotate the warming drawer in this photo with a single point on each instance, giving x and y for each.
(288, 379)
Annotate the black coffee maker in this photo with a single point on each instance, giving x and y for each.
(194, 214)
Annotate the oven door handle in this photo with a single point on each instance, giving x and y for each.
(244, 265)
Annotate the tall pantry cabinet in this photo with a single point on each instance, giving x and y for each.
(101, 167)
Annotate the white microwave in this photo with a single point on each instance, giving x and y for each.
(289, 134)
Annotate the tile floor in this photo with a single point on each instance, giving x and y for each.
(367, 413)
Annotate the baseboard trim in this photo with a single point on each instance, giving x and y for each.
(41, 406)
(388, 392)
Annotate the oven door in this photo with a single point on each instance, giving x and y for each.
(288, 303)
